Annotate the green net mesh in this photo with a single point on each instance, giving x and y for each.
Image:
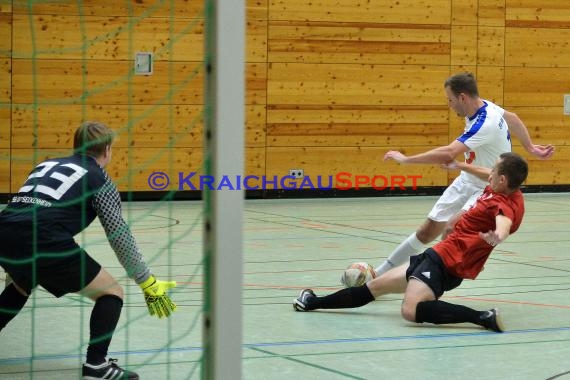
(75, 61)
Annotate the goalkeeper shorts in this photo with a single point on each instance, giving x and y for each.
(60, 269)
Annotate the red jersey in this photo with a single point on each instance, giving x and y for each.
(463, 252)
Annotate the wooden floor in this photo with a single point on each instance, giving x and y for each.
(294, 244)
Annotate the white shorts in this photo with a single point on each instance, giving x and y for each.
(460, 195)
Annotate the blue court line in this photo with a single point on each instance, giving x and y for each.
(405, 337)
(17, 360)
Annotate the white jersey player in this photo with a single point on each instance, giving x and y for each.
(486, 136)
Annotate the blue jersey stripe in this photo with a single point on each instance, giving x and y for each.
(481, 115)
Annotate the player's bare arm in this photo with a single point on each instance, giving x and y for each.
(441, 155)
(517, 127)
(501, 232)
(478, 171)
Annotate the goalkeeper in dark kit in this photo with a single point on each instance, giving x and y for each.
(59, 199)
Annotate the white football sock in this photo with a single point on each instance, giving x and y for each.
(409, 247)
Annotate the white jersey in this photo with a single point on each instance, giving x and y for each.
(487, 137)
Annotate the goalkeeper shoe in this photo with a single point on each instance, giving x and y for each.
(108, 370)
(301, 303)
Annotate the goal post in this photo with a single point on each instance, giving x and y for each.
(224, 122)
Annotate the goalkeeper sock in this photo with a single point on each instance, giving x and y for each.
(343, 299)
(11, 302)
(104, 319)
(440, 313)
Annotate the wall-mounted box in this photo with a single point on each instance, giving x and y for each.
(143, 63)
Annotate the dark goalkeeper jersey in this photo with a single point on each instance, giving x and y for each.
(62, 196)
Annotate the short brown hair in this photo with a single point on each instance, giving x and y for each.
(514, 167)
(92, 138)
(462, 83)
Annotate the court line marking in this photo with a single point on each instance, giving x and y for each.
(290, 358)
(324, 342)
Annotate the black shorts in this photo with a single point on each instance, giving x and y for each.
(429, 269)
(59, 267)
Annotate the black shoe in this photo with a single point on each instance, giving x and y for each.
(300, 303)
(108, 370)
(491, 320)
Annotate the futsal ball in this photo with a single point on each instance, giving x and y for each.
(357, 274)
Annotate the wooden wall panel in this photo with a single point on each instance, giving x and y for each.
(325, 161)
(364, 126)
(318, 42)
(464, 12)
(463, 45)
(131, 168)
(256, 83)
(363, 85)
(6, 33)
(255, 9)
(108, 38)
(491, 46)
(535, 87)
(5, 80)
(138, 126)
(256, 41)
(152, 113)
(376, 11)
(112, 82)
(555, 171)
(491, 83)
(181, 9)
(5, 126)
(255, 126)
(491, 13)
(538, 14)
(106, 82)
(5, 95)
(4, 171)
(114, 38)
(330, 85)
(543, 47)
(546, 125)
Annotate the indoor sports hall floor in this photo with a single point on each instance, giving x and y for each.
(293, 244)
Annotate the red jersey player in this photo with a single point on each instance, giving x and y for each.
(497, 213)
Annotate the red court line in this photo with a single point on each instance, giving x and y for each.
(290, 287)
(267, 286)
(274, 272)
(314, 225)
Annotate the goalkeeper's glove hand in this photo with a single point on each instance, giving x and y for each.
(157, 300)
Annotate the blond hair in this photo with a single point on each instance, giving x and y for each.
(92, 138)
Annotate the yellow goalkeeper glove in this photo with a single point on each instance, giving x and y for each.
(157, 300)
